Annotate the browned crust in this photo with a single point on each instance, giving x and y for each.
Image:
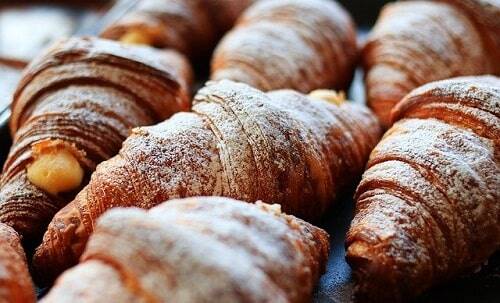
(237, 142)
(486, 15)
(190, 27)
(15, 280)
(85, 93)
(207, 248)
(416, 42)
(427, 207)
(301, 45)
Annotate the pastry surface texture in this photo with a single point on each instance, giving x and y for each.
(191, 27)
(289, 44)
(427, 207)
(283, 147)
(202, 249)
(73, 107)
(15, 280)
(417, 42)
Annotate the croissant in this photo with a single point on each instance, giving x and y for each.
(15, 280)
(204, 249)
(486, 16)
(237, 142)
(416, 42)
(191, 27)
(72, 109)
(428, 206)
(303, 45)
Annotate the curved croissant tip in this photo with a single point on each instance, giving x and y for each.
(329, 95)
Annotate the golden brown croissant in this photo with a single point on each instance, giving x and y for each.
(486, 16)
(192, 27)
(238, 142)
(416, 42)
(15, 280)
(204, 249)
(72, 109)
(302, 45)
(428, 206)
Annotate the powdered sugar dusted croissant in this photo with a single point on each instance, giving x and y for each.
(416, 42)
(15, 280)
(205, 249)
(72, 109)
(238, 142)
(486, 15)
(303, 45)
(191, 27)
(428, 205)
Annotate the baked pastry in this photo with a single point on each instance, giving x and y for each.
(237, 142)
(15, 280)
(486, 16)
(416, 42)
(204, 249)
(302, 45)
(72, 109)
(427, 207)
(191, 27)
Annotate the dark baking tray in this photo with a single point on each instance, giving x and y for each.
(337, 284)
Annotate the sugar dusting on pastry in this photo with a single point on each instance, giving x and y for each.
(198, 249)
(279, 147)
(427, 206)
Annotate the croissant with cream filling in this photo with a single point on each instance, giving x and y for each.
(191, 27)
(238, 142)
(72, 109)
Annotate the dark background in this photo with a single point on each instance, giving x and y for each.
(365, 12)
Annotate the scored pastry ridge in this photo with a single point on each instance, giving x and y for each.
(234, 139)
